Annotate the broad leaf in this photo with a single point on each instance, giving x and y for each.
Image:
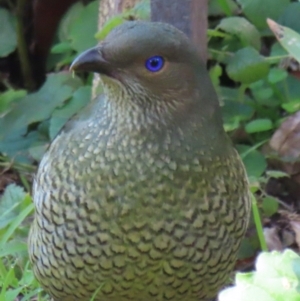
(257, 11)
(243, 29)
(61, 115)
(258, 125)
(254, 161)
(39, 106)
(8, 36)
(82, 31)
(247, 66)
(288, 38)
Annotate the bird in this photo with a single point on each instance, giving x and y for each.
(142, 195)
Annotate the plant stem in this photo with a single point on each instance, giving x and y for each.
(258, 224)
(22, 46)
(241, 92)
(220, 52)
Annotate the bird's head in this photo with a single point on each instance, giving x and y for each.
(152, 62)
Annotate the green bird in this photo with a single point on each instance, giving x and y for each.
(141, 196)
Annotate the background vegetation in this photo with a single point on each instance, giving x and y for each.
(258, 86)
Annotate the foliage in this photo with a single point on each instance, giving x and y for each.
(7, 33)
(256, 95)
(28, 123)
(52, 105)
(140, 12)
(276, 278)
(16, 276)
(61, 96)
(260, 95)
(288, 38)
(76, 31)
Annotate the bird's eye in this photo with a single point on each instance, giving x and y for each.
(155, 63)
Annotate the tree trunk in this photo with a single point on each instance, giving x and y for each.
(190, 16)
(107, 9)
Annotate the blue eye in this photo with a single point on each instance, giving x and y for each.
(155, 63)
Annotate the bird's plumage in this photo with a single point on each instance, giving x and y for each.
(141, 196)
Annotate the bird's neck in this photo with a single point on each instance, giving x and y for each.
(137, 110)
(131, 113)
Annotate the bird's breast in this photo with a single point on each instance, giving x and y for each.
(141, 217)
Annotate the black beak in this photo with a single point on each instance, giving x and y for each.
(92, 60)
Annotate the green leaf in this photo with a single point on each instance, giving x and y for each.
(225, 6)
(8, 97)
(218, 7)
(8, 36)
(277, 174)
(260, 91)
(254, 161)
(258, 11)
(247, 66)
(61, 115)
(8, 280)
(246, 249)
(10, 204)
(39, 106)
(270, 205)
(292, 106)
(61, 47)
(264, 93)
(38, 149)
(141, 11)
(289, 88)
(288, 38)
(12, 294)
(245, 293)
(272, 268)
(233, 110)
(258, 125)
(214, 33)
(215, 72)
(13, 247)
(290, 16)
(68, 20)
(276, 75)
(276, 279)
(277, 53)
(16, 144)
(16, 222)
(109, 25)
(243, 29)
(82, 31)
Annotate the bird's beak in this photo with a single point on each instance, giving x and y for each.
(92, 60)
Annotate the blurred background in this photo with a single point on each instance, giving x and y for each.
(252, 63)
